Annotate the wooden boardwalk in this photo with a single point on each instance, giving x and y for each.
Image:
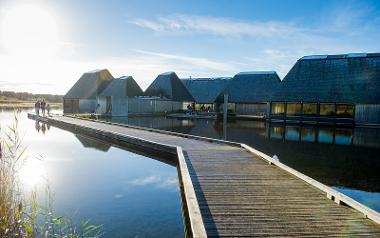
(237, 192)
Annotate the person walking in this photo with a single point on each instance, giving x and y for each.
(48, 109)
(37, 107)
(43, 107)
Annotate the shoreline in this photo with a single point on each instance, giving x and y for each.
(26, 104)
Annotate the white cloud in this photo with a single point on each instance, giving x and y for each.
(58, 75)
(145, 181)
(217, 26)
(156, 181)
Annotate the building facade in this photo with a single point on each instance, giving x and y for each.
(205, 91)
(249, 92)
(114, 100)
(330, 88)
(82, 97)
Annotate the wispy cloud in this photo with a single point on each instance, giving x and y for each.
(199, 62)
(217, 26)
(155, 181)
(152, 179)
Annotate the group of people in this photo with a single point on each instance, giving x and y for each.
(43, 106)
(203, 108)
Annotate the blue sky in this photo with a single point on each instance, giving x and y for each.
(192, 38)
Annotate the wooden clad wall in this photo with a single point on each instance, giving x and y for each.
(251, 109)
(367, 113)
(137, 105)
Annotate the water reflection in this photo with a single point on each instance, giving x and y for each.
(292, 133)
(340, 157)
(32, 172)
(131, 195)
(308, 134)
(40, 126)
(340, 136)
(88, 142)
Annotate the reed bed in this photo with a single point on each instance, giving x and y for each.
(20, 213)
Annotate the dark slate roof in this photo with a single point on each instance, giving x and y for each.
(205, 90)
(90, 85)
(251, 87)
(347, 78)
(168, 85)
(124, 86)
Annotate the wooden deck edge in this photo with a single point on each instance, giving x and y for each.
(235, 144)
(331, 193)
(193, 212)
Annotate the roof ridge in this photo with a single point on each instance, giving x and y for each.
(340, 56)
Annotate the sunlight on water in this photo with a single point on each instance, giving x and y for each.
(32, 172)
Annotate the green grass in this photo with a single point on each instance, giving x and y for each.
(20, 214)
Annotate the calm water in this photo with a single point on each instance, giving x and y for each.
(130, 194)
(347, 159)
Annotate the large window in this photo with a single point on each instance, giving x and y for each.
(278, 108)
(310, 109)
(345, 110)
(293, 109)
(327, 110)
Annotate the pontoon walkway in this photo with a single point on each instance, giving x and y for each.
(230, 190)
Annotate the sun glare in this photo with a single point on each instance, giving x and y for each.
(32, 173)
(29, 30)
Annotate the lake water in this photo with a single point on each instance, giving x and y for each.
(130, 194)
(347, 159)
(133, 195)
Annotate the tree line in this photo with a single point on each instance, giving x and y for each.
(24, 96)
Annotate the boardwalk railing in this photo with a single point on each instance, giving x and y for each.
(192, 215)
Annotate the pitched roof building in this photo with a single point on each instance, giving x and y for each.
(169, 86)
(90, 85)
(251, 87)
(122, 87)
(329, 88)
(346, 78)
(206, 90)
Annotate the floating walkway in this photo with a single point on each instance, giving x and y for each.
(232, 190)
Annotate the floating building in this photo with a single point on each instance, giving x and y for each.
(205, 91)
(82, 97)
(169, 86)
(114, 99)
(249, 92)
(330, 88)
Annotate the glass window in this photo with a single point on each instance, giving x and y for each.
(278, 108)
(327, 110)
(345, 111)
(293, 109)
(310, 108)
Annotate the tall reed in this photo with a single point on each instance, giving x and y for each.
(20, 213)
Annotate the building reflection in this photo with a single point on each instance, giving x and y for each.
(335, 156)
(369, 137)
